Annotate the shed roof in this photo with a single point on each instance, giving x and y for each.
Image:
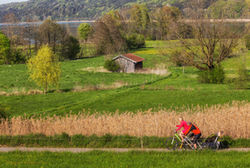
(131, 57)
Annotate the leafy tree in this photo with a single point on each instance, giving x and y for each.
(228, 8)
(84, 30)
(44, 68)
(70, 48)
(163, 18)
(4, 49)
(140, 19)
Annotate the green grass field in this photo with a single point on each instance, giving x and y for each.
(140, 91)
(106, 141)
(98, 159)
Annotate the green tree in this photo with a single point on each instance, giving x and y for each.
(228, 9)
(84, 30)
(163, 18)
(140, 18)
(4, 49)
(45, 68)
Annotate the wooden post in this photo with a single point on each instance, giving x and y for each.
(141, 142)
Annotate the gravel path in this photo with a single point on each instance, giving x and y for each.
(77, 150)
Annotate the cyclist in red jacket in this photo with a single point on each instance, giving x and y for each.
(193, 131)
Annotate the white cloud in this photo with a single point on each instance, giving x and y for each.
(9, 1)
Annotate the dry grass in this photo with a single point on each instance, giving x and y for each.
(160, 69)
(96, 69)
(18, 92)
(85, 88)
(232, 119)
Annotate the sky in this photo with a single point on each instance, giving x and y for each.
(9, 1)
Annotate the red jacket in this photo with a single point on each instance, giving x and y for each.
(192, 128)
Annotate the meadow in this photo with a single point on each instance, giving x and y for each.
(130, 159)
(85, 88)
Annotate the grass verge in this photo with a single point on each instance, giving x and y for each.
(107, 141)
(130, 159)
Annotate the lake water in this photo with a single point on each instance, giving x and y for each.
(70, 26)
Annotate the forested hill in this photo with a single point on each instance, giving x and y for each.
(91, 9)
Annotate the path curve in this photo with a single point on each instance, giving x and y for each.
(78, 150)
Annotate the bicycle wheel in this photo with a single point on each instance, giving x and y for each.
(172, 144)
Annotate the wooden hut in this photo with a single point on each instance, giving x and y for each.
(129, 62)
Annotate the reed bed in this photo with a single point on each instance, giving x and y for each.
(233, 119)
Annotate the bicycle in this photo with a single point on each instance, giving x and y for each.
(176, 143)
(212, 142)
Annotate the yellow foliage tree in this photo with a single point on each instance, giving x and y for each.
(44, 68)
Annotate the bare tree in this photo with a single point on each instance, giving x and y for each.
(213, 41)
(108, 34)
(52, 34)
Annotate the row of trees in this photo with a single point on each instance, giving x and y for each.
(122, 30)
(19, 43)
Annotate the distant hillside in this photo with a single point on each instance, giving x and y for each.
(83, 9)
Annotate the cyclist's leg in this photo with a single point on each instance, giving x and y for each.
(196, 137)
(181, 135)
(188, 141)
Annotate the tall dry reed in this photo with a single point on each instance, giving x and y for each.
(232, 119)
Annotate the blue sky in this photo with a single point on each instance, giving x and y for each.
(9, 1)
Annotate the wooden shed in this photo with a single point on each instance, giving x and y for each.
(129, 62)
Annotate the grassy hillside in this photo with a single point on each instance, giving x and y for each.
(130, 159)
(102, 91)
(92, 9)
(68, 9)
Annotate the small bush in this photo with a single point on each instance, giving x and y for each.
(247, 40)
(71, 48)
(176, 58)
(241, 82)
(135, 41)
(112, 66)
(216, 75)
(3, 114)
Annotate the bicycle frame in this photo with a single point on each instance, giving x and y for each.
(185, 140)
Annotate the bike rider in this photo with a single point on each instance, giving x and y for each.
(193, 131)
(184, 125)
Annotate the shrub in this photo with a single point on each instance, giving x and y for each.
(247, 40)
(216, 75)
(71, 48)
(111, 66)
(17, 57)
(135, 41)
(176, 58)
(241, 82)
(4, 49)
(3, 114)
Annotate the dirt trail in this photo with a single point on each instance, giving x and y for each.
(78, 150)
